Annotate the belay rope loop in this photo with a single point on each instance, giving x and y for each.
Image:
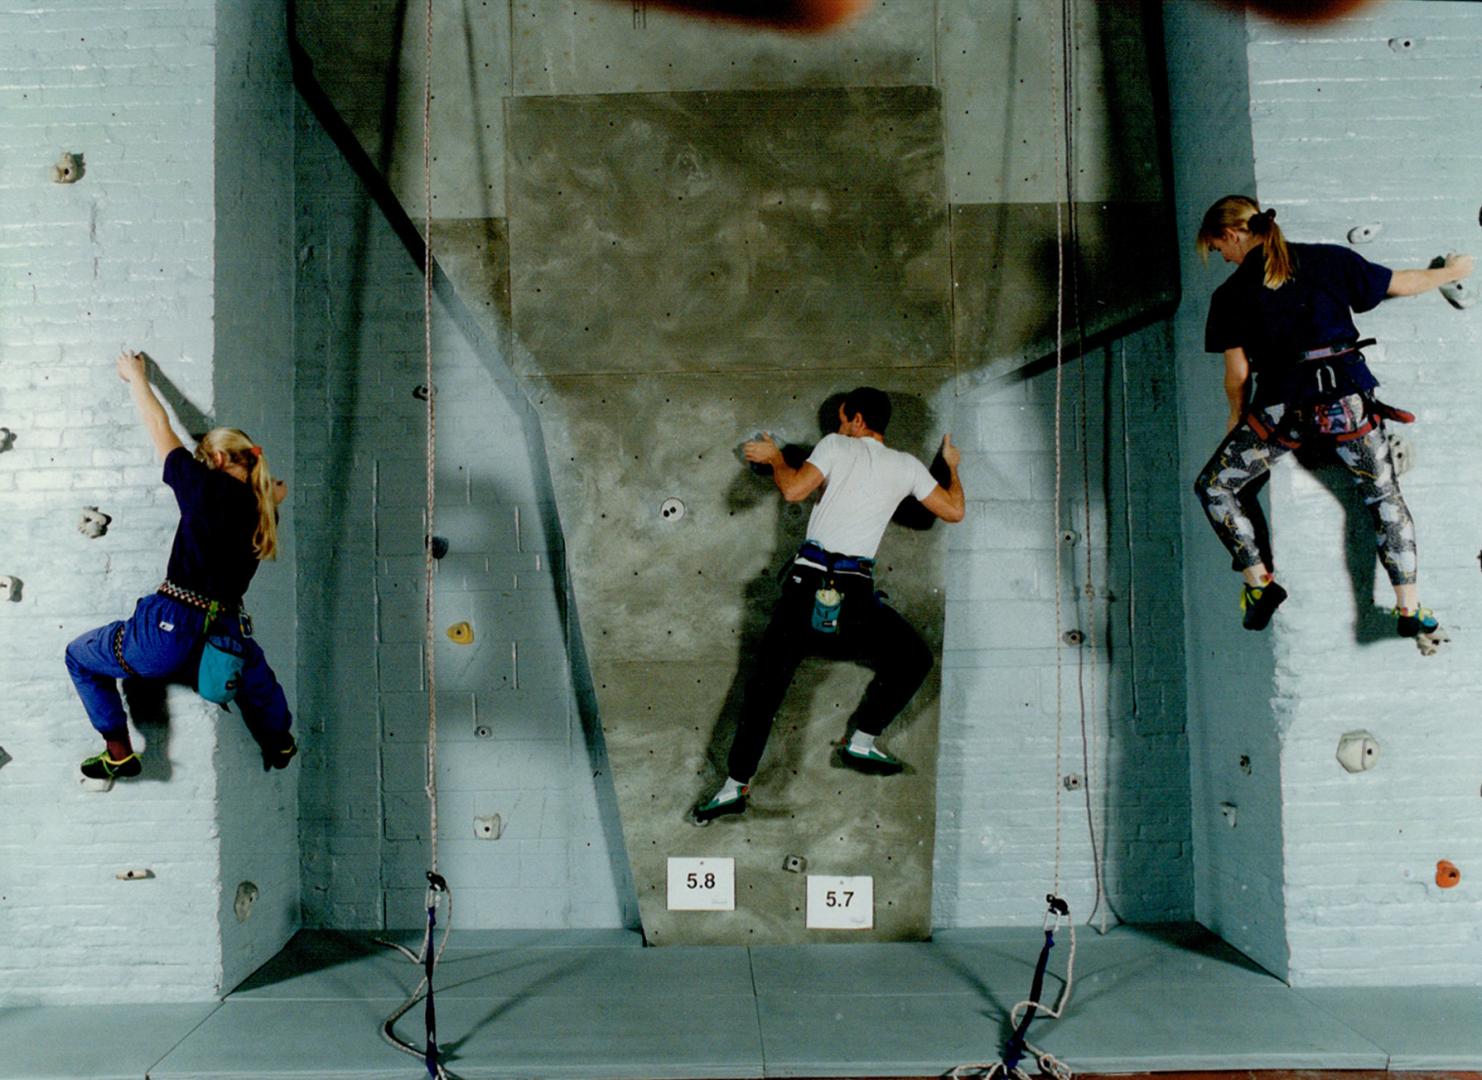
(437, 886)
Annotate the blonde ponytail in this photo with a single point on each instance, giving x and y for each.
(238, 449)
(1242, 213)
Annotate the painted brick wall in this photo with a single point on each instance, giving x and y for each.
(123, 257)
(1351, 126)
(997, 794)
(1238, 872)
(511, 739)
(253, 379)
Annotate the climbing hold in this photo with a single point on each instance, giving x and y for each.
(7, 439)
(5, 758)
(1399, 452)
(420, 392)
(439, 546)
(1459, 294)
(1358, 751)
(488, 828)
(483, 731)
(67, 170)
(1072, 637)
(794, 864)
(247, 894)
(1447, 874)
(671, 509)
(1245, 764)
(1069, 537)
(135, 874)
(10, 588)
(1362, 234)
(94, 523)
(461, 633)
(1404, 45)
(1072, 781)
(1229, 810)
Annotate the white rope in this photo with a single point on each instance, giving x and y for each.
(436, 890)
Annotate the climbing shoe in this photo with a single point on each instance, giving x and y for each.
(1259, 602)
(278, 757)
(874, 760)
(103, 767)
(715, 807)
(1422, 625)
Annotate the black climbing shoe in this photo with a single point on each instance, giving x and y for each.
(1422, 626)
(1413, 624)
(278, 757)
(715, 807)
(874, 761)
(103, 767)
(1259, 602)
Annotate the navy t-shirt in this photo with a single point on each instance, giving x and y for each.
(212, 553)
(1313, 309)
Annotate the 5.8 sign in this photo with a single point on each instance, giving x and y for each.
(702, 884)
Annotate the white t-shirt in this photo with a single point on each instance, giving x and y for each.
(864, 482)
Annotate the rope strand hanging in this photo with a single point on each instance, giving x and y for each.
(437, 887)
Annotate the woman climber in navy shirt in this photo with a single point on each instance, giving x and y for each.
(228, 522)
(1286, 316)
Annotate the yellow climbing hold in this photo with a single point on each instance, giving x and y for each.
(461, 633)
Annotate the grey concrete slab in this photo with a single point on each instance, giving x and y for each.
(1421, 1027)
(729, 232)
(108, 1042)
(1199, 1026)
(892, 968)
(566, 48)
(1006, 278)
(671, 611)
(1002, 99)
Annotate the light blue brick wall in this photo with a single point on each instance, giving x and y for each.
(1238, 872)
(511, 736)
(1347, 131)
(997, 789)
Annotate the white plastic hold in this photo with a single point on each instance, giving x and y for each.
(671, 509)
(1362, 234)
(1403, 45)
(488, 828)
(1459, 294)
(67, 170)
(1229, 811)
(10, 588)
(94, 523)
(1358, 751)
(137, 873)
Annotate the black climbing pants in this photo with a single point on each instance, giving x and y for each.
(1244, 457)
(869, 632)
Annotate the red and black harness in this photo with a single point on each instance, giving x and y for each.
(1322, 383)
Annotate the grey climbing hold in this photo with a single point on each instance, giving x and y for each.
(5, 758)
(94, 523)
(1459, 294)
(1072, 637)
(141, 873)
(247, 894)
(1362, 234)
(1400, 454)
(1403, 45)
(1072, 781)
(794, 864)
(10, 588)
(7, 439)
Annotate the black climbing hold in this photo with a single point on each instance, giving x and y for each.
(420, 392)
(439, 546)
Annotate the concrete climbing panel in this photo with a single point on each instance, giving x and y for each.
(669, 611)
(598, 48)
(1000, 77)
(729, 232)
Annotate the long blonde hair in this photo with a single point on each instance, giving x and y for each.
(1244, 213)
(238, 449)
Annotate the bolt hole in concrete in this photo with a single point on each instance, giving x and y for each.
(247, 894)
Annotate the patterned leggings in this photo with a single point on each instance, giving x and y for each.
(1244, 458)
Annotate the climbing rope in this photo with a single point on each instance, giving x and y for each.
(437, 887)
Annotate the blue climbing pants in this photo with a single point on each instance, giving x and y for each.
(163, 639)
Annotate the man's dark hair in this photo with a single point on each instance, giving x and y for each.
(873, 404)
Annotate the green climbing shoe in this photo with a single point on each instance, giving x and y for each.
(103, 767)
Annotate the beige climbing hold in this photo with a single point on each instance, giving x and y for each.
(461, 633)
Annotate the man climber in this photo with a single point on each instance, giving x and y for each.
(829, 606)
